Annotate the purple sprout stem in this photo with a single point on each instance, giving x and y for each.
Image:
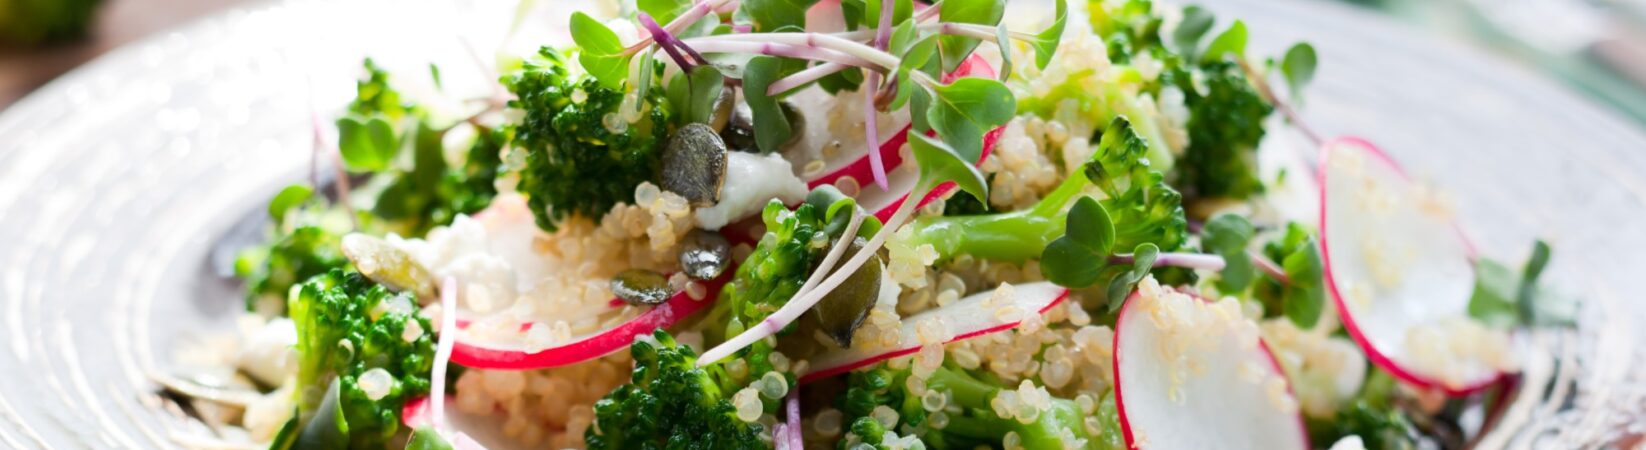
(877, 58)
(783, 50)
(792, 412)
(929, 12)
(1197, 261)
(800, 78)
(685, 19)
(871, 127)
(1269, 267)
(665, 40)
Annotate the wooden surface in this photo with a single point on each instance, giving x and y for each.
(118, 22)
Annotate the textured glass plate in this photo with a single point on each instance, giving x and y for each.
(125, 186)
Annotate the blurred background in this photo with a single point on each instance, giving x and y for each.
(1597, 47)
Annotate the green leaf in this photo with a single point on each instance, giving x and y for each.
(1070, 264)
(289, 197)
(647, 62)
(901, 11)
(367, 144)
(939, 163)
(1298, 66)
(981, 12)
(769, 15)
(1493, 301)
(1228, 235)
(602, 52)
(1231, 42)
(1089, 225)
(694, 94)
(771, 127)
(920, 105)
(1307, 295)
(663, 11)
(1142, 262)
(1526, 294)
(426, 438)
(1045, 44)
(967, 108)
(1196, 22)
(1003, 41)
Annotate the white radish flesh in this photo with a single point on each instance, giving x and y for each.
(1190, 373)
(1401, 273)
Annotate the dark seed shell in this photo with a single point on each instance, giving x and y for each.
(694, 164)
(843, 310)
(739, 130)
(706, 255)
(641, 287)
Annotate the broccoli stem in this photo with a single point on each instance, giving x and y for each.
(1014, 236)
(972, 394)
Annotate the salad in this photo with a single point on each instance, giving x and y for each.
(858, 225)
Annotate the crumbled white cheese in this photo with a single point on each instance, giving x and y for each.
(751, 181)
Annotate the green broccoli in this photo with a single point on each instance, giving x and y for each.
(1225, 126)
(1142, 207)
(306, 246)
(582, 156)
(1372, 415)
(363, 351)
(670, 403)
(968, 419)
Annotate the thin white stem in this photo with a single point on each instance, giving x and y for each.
(815, 40)
(801, 303)
(800, 78)
(443, 353)
(871, 130)
(929, 12)
(1269, 267)
(840, 246)
(1198, 261)
(784, 50)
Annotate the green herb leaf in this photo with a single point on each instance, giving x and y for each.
(663, 11)
(771, 127)
(982, 12)
(1306, 297)
(1045, 44)
(939, 163)
(1526, 294)
(769, 15)
(1070, 264)
(1227, 235)
(426, 438)
(602, 52)
(1494, 300)
(920, 106)
(288, 198)
(368, 144)
(1196, 22)
(1231, 42)
(1298, 66)
(694, 94)
(1142, 262)
(967, 108)
(1089, 225)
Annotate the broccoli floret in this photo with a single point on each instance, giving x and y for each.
(583, 156)
(1225, 126)
(353, 332)
(306, 246)
(1143, 208)
(969, 419)
(669, 403)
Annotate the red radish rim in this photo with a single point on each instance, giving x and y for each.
(1119, 400)
(414, 413)
(1377, 357)
(596, 345)
(827, 372)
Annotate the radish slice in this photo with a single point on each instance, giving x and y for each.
(479, 354)
(973, 316)
(1190, 373)
(1400, 272)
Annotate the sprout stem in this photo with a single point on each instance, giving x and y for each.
(685, 19)
(781, 49)
(829, 260)
(804, 301)
(800, 78)
(1198, 261)
(882, 60)
(1269, 267)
